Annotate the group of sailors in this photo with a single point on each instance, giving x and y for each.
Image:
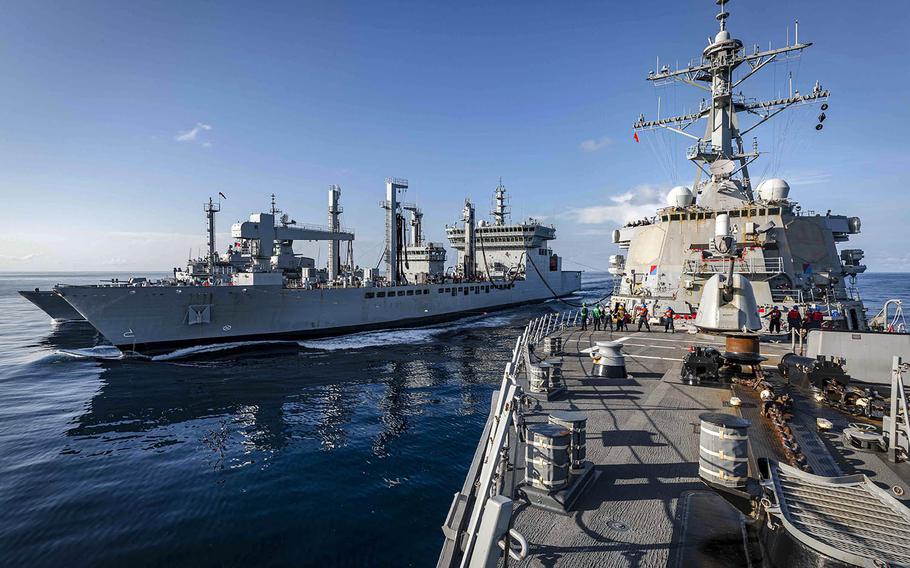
(795, 320)
(639, 222)
(618, 317)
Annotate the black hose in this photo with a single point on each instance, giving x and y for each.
(486, 267)
(555, 295)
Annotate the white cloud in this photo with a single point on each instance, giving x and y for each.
(193, 134)
(23, 258)
(637, 203)
(595, 144)
(808, 178)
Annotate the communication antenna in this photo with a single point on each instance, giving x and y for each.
(724, 132)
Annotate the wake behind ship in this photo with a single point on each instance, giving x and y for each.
(261, 290)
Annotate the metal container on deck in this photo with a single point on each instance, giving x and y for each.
(547, 456)
(552, 346)
(539, 377)
(555, 371)
(723, 456)
(576, 423)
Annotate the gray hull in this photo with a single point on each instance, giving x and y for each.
(156, 318)
(52, 304)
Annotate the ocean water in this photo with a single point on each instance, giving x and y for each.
(334, 452)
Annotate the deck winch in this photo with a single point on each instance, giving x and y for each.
(815, 372)
(701, 363)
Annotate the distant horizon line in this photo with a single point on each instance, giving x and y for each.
(133, 271)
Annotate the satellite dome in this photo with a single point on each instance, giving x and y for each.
(722, 35)
(774, 189)
(680, 196)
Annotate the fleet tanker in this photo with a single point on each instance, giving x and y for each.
(261, 290)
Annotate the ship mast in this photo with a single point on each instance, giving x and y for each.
(721, 155)
(500, 209)
(210, 209)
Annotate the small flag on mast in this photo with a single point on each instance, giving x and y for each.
(635, 135)
(223, 196)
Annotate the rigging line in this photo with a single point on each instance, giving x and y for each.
(594, 268)
(486, 267)
(555, 295)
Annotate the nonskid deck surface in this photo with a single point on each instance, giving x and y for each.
(648, 506)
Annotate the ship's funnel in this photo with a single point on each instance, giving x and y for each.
(727, 308)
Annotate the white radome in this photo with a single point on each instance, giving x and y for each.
(680, 196)
(774, 189)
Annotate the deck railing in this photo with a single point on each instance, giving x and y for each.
(477, 528)
(766, 265)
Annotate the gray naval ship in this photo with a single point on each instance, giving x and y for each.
(261, 290)
(788, 254)
(728, 445)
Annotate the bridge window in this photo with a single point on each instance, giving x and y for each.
(368, 295)
(410, 292)
(401, 292)
(380, 294)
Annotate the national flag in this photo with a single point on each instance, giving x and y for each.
(223, 196)
(807, 268)
(653, 270)
(635, 136)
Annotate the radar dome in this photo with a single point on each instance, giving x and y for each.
(774, 189)
(722, 35)
(680, 196)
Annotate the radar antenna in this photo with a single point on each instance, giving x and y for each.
(723, 139)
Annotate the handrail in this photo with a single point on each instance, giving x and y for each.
(470, 540)
(764, 265)
(889, 323)
(898, 410)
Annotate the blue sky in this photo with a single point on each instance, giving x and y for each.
(119, 119)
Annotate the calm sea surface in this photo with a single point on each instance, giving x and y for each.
(336, 452)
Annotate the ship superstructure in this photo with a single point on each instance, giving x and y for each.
(502, 249)
(260, 288)
(789, 255)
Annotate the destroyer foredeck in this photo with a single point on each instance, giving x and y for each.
(647, 505)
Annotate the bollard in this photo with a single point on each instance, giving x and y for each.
(610, 363)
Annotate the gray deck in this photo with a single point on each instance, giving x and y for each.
(642, 437)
